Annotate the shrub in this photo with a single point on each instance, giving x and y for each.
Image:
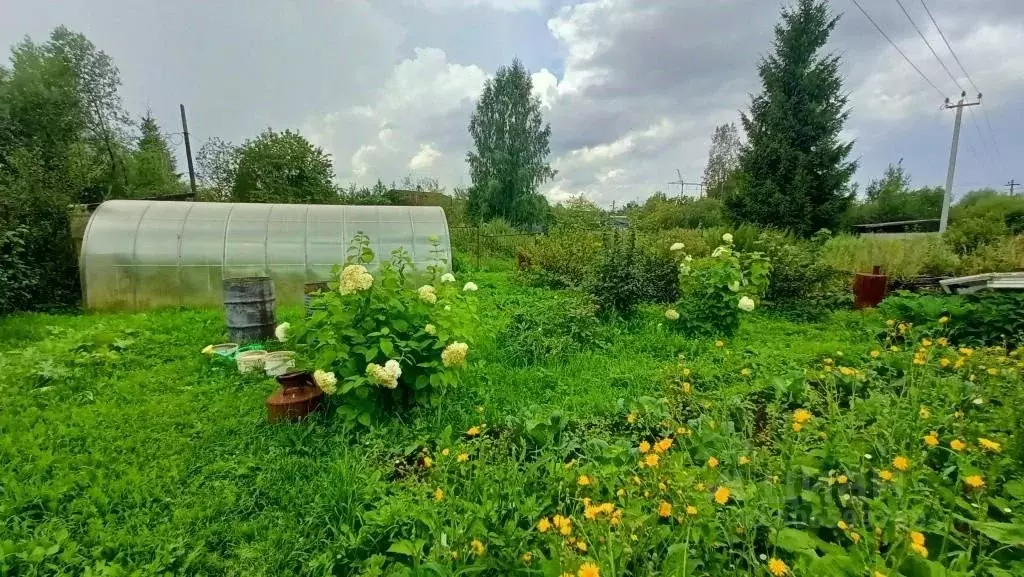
(800, 283)
(968, 234)
(902, 257)
(661, 213)
(745, 236)
(992, 204)
(616, 286)
(564, 258)
(717, 288)
(384, 343)
(1003, 255)
(985, 318)
(18, 279)
(550, 328)
(692, 239)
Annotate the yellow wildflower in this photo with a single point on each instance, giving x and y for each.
(885, 475)
(875, 354)
(584, 480)
(428, 462)
(918, 544)
(588, 569)
(616, 518)
(563, 524)
(462, 458)
(847, 371)
(686, 372)
(842, 479)
(581, 545)
(438, 495)
(890, 323)
(691, 510)
(925, 413)
(989, 445)
(687, 387)
(712, 462)
(944, 362)
(544, 525)
(965, 351)
(959, 364)
(631, 418)
(974, 482)
(797, 427)
(744, 460)
(900, 463)
(942, 341)
(663, 445)
(722, 495)
(957, 445)
(931, 439)
(777, 567)
(664, 509)
(855, 537)
(478, 548)
(719, 344)
(842, 525)
(527, 557)
(926, 342)
(446, 452)
(894, 349)
(645, 447)
(802, 416)
(473, 431)
(943, 320)
(651, 460)
(745, 372)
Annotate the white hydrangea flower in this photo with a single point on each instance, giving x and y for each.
(720, 251)
(672, 315)
(427, 294)
(727, 238)
(454, 355)
(379, 375)
(354, 278)
(447, 277)
(326, 380)
(746, 304)
(689, 258)
(470, 287)
(684, 268)
(282, 330)
(734, 286)
(677, 246)
(393, 367)
(430, 329)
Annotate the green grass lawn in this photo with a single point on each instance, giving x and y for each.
(124, 451)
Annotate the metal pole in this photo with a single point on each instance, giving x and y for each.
(960, 105)
(188, 152)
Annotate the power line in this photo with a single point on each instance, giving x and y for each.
(893, 44)
(950, 47)
(929, 45)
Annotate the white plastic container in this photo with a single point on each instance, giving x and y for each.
(278, 363)
(250, 361)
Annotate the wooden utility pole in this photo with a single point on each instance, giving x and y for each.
(188, 152)
(959, 106)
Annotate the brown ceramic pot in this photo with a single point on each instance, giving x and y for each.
(297, 397)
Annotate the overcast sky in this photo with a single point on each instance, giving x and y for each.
(632, 88)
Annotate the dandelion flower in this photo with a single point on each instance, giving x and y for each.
(354, 278)
(651, 460)
(931, 439)
(208, 350)
(282, 330)
(957, 445)
(543, 525)
(677, 246)
(427, 294)
(526, 557)
(875, 354)
(917, 544)
(672, 315)
(691, 510)
(802, 416)
(631, 418)
(644, 447)
(925, 413)
(446, 451)
(777, 567)
(462, 458)
(712, 462)
(989, 445)
(746, 304)
(589, 569)
(581, 545)
(744, 460)
(438, 495)
(447, 277)
(722, 495)
(584, 480)
(855, 537)
(478, 548)
(469, 287)
(428, 462)
(797, 427)
(974, 482)
(664, 509)
(901, 463)
(885, 475)
(842, 525)
(563, 524)
(727, 238)
(842, 479)
(430, 329)
(943, 320)
(473, 431)
(663, 445)
(454, 355)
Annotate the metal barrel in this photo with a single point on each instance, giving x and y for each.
(309, 291)
(249, 308)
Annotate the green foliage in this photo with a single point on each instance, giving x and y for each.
(550, 329)
(563, 258)
(988, 203)
(890, 199)
(801, 283)
(901, 257)
(715, 289)
(794, 167)
(1003, 255)
(967, 235)
(694, 241)
(661, 213)
(720, 173)
(988, 318)
(617, 287)
(510, 148)
(283, 167)
(151, 166)
(17, 277)
(387, 343)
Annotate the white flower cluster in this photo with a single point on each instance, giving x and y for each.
(326, 380)
(430, 329)
(672, 315)
(385, 376)
(427, 294)
(727, 238)
(447, 277)
(677, 246)
(746, 304)
(470, 287)
(454, 355)
(354, 278)
(282, 331)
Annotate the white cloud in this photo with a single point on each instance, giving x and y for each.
(503, 5)
(425, 158)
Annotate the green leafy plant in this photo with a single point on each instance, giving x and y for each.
(801, 284)
(550, 329)
(381, 343)
(989, 318)
(716, 289)
(617, 287)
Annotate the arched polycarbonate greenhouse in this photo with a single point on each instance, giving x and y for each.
(139, 254)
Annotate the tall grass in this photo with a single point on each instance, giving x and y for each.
(900, 257)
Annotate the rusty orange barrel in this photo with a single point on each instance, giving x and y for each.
(869, 289)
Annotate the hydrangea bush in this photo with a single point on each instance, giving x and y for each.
(389, 339)
(716, 289)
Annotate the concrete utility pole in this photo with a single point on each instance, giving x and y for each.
(188, 152)
(959, 106)
(1012, 185)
